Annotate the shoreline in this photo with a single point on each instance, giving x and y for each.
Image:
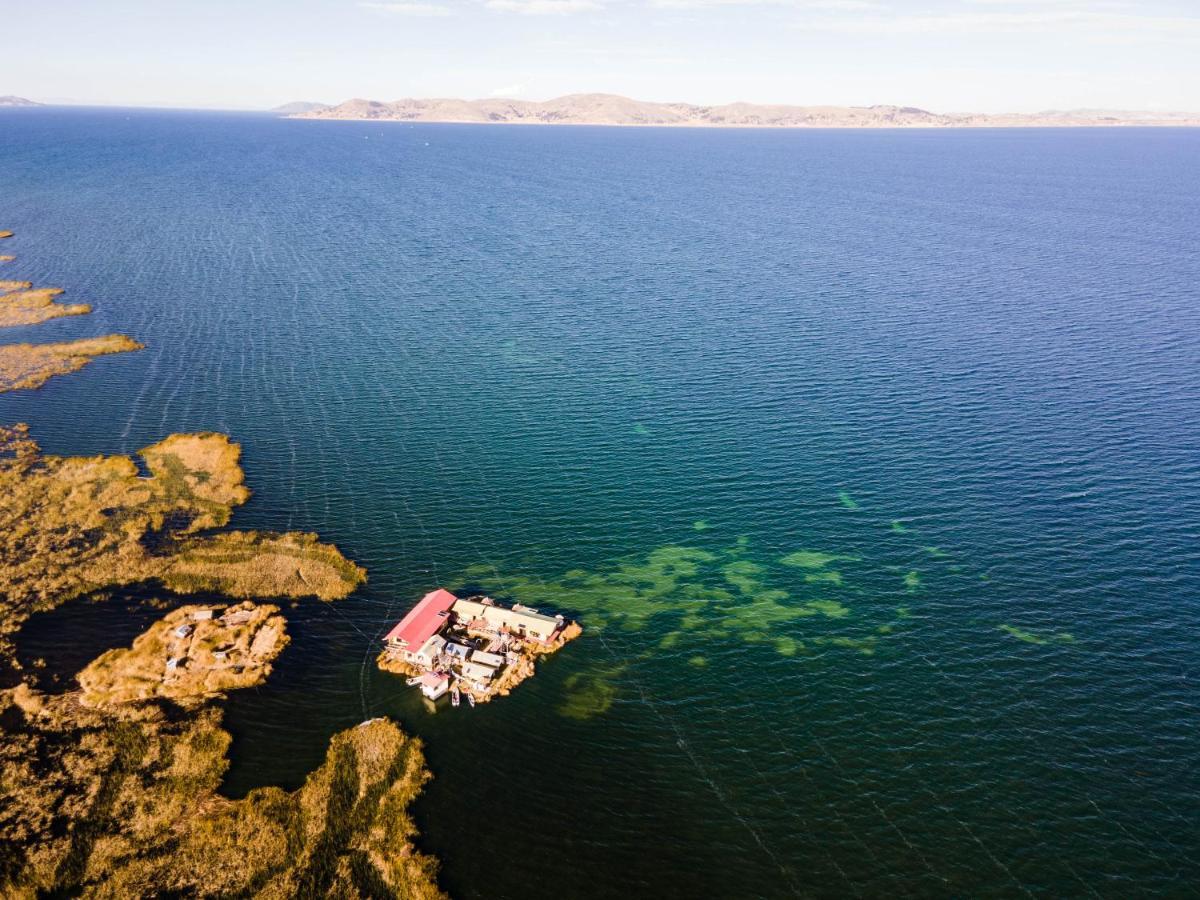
(965, 126)
(616, 110)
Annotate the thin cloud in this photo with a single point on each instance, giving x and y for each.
(845, 5)
(1042, 4)
(821, 5)
(542, 7)
(417, 10)
(1075, 21)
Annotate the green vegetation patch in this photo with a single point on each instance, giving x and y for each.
(123, 802)
(814, 559)
(1030, 637)
(591, 693)
(829, 608)
(829, 577)
(744, 575)
(70, 526)
(684, 598)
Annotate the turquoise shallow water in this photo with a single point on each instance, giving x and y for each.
(870, 461)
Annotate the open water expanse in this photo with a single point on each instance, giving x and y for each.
(870, 462)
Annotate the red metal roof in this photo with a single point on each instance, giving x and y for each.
(424, 620)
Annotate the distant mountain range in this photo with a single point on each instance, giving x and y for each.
(16, 101)
(300, 106)
(611, 109)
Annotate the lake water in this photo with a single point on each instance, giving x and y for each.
(869, 460)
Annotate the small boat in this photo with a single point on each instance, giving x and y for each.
(414, 681)
(471, 698)
(455, 696)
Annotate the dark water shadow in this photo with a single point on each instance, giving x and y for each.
(55, 645)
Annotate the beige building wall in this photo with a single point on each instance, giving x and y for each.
(534, 624)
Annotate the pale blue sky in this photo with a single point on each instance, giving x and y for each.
(944, 55)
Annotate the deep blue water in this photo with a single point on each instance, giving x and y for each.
(625, 373)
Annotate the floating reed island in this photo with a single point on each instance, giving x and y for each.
(114, 790)
(23, 304)
(74, 525)
(473, 647)
(123, 800)
(26, 366)
(195, 651)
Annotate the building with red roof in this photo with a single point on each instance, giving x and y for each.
(423, 621)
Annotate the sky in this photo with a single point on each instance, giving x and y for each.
(942, 55)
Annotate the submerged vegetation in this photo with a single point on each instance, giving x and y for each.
(680, 599)
(684, 596)
(688, 592)
(1030, 637)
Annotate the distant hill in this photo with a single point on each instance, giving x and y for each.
(17, 101)
(298, 107)
(611, 109)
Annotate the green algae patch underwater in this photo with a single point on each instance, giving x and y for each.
(1030, 637)
(831, 609)
(743, 575)
(686, 600)
(591, 693)
(830, 577)
(814, 559)
(678, 597)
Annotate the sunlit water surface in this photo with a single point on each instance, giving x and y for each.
(869, 460)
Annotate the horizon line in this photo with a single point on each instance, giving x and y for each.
(172, 105)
